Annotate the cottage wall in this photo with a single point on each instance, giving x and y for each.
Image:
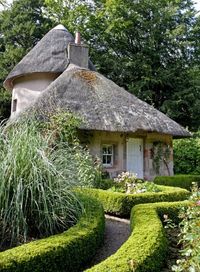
(156, 163)
(101, 138)
(26, 89)
(162, 166)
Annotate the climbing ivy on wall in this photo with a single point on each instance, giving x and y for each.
(160, 154)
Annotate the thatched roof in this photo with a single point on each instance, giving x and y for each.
(103, 105)
(48, 55)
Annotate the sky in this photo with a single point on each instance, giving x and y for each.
(196, 1)
(197, 4)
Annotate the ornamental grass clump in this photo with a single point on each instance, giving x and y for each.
(37, 179)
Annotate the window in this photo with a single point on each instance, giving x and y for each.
(14, 105)
(107, 155)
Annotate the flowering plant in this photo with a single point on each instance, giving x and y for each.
(190, 235)
(133, 185)
(126, 177)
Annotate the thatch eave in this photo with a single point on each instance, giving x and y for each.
(103, 105)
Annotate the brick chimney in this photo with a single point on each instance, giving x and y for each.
(78, 52)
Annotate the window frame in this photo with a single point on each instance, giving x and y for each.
(14, 105)
(108, 154)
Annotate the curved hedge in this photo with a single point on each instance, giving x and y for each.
(182, 181)
(121, 204)
(67, 251)
(146, 248)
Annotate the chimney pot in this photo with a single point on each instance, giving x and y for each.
(78, 38)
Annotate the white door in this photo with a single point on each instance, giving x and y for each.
(135, 157)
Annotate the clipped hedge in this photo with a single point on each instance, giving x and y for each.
(67, 251)
(120, 204)
(182, 181)
(146, 248)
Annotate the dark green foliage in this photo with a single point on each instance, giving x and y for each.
(65, 124)
(68, 251)
(5, 104)
(187, 155)
(105, 184)
(182, 181)
(22, 25)
(150, 47)
(146, 249)
(121, 204)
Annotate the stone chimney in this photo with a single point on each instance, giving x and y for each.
(78, 52)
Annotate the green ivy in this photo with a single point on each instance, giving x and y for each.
(161, 153)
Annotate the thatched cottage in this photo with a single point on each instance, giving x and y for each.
(125, 132)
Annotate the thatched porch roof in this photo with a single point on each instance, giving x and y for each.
(103, 105)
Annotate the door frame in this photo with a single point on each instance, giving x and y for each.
(142, 143)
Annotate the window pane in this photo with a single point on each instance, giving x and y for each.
(104, 159)
(109, 149)
(14, 105)
(104, 150)
(109, 159)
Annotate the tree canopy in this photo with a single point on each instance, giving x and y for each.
(22, 25)
(149, 47)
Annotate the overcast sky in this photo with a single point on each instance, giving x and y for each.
(197, 4)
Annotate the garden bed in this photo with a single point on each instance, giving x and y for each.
(147, 247)
(120, 204)
(144, 251)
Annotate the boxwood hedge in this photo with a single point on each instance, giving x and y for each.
(120, 204)
(67, 251)
(146, 248)
(182, 181)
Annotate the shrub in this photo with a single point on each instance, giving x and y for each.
(121, 204)
(146, 248)
(104, 184)
(182, 181)
(190, 235)
(68, 251)
(63, 128)
(187, 155)
(37, 178)
(129, 183)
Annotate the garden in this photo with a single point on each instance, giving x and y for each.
(52, 211)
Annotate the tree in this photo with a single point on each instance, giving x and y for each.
(187, 155)
(22, 25)
(145, 46)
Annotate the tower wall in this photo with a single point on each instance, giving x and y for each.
(27, 88)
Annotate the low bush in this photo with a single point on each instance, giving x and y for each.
(187, 155)
(104, 184)
(146, 248)
(190, 235)
(182, 181)
(121, 204)
(68, 251)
